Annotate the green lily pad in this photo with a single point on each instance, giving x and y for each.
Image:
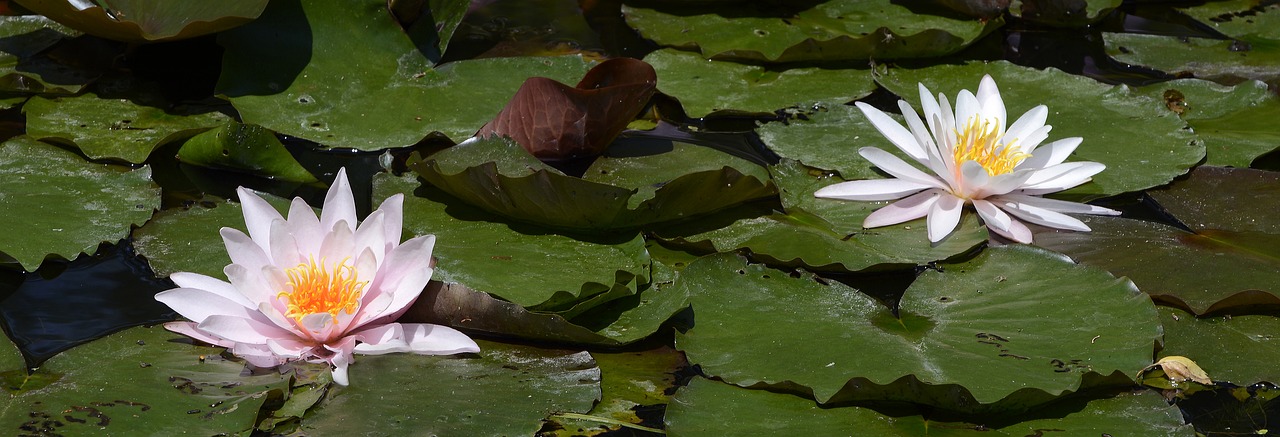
(632, 383)
(111, 128)
(1065, 13)
(706, 87)
(58, 205)
(1237, 123)
(711, 408)
(1244, 348)
(507, 390)
(1155, 146)
(1003, 332)
(632, 186)
(187, 240)
(1252, 53)
(829, 138)
(147, 21)
(1228, 262)
(141, 381)
(349, 77)
(827, 235)
(244, 147)
(839, 30)
(25, 62)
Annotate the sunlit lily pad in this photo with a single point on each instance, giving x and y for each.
(143, 21)
(349, 77)
(1140, 141)
(57, 204)
(705, 87)
(1229, 261)
(140, 381)
(1252, 53)
(187, 240)
(633, 185)
(840, 30)
(105, 128)
(1237, 123)
(244, 147)
(1244, 348)
(1002, 332)
(828, 138)
(709, 408)
(506, 390)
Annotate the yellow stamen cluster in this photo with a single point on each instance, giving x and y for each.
(316, 290)
(979, 142)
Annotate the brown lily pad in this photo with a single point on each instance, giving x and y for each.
(554, 121)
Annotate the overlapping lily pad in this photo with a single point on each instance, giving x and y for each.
(631, 186)
(244, 147)
(26, 64)
(1245, 348)
(1251, 53)
(112, 128)
(706, 87)
(1237, 123)
(707, 407)
(839, 30)
(138, 381)
(633, 384)
(57, 204)
(1002, 332)
(348, 76)
(1226, 263)
(1140, 141)
(507, 390)
(143, 21)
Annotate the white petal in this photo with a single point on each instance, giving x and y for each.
(242, 330)
(420, 338)
(991, 215)
(967, 108)
(305, 226)
(210, 284)
(893, 131)
(284, 247)
(392, 220)
(258, 355)
(1017, 232)
(944, 216)
(251, 284)
(973, 180)
(339, 204)
(1058, 205)
(928, 104)
(1027, 123)
(947, 134)
(341, 359)
(1062, 176)
(1043, 217)
(372, 235)
(288, 347)
(900, 169)
(258, 215)
(1001, 184)
(392, 302)
(1051, 154)
(189, 329)
(413, 255)
(338, 245)
(907, 209)
(870, 190)
(918, 129)
(243, 250)
(992, 106)
(1033, 139)
(197, 305)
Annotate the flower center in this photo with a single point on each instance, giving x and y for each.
(980, 142)
(316, 290)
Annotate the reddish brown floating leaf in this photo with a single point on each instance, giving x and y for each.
(554, 121)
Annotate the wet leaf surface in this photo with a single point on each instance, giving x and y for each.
(1244, 348)
(244, 147)
(1237, 123)
(110, 128)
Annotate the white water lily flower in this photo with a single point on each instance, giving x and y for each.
(974, 159)
(315, 289)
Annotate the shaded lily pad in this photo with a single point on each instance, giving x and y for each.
(827, 235)
(244, 147)
(1244, 348)
(708, 408)
(187, 240)
(1063, 12)
(57, 204)
(140, 381)
(1251, 53)
(1003, 332)
(106, 128)
(706, 87)
(143, 21)
(1237, 123)
(1229, 262)
(631, 186)
(348, 76)
(1140, 141)
(840, 30)
(506, 390)
(634, 384)
(26, 65)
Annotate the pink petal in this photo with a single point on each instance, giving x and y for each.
(413, 255)
(910, 208)
(371, 234)
(189, 329)
(284, 247)
(393, 219)
(339, 204)
(341, 359)
(893, 131)
(288, 347)
(870, 190)
(944, 216)
(259, 355)
(258, 215)
(419, 338)
(243, 250)
(338, 244)
(210, 284)
(305, 226)
(197, 305)
(251, 283)
(391, 302)
(242, 330)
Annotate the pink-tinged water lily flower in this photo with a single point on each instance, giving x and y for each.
(973, 159)
(315, 289)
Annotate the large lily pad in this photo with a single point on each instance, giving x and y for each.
(828, 137)
(706, 87)
(1251, 53)
(143, 381)
(711, 408)
(112, 128)
(1237, 123)
(630, 187)
(56, 204)
(1002, 332)
(1226, 263)
(347, 76)
(187, 240)
(507, 390)
(1244, 348)
(839, 30)
(143, 21)
(1140, 141)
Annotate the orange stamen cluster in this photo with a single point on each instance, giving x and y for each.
(316, 290)
(980, 142)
